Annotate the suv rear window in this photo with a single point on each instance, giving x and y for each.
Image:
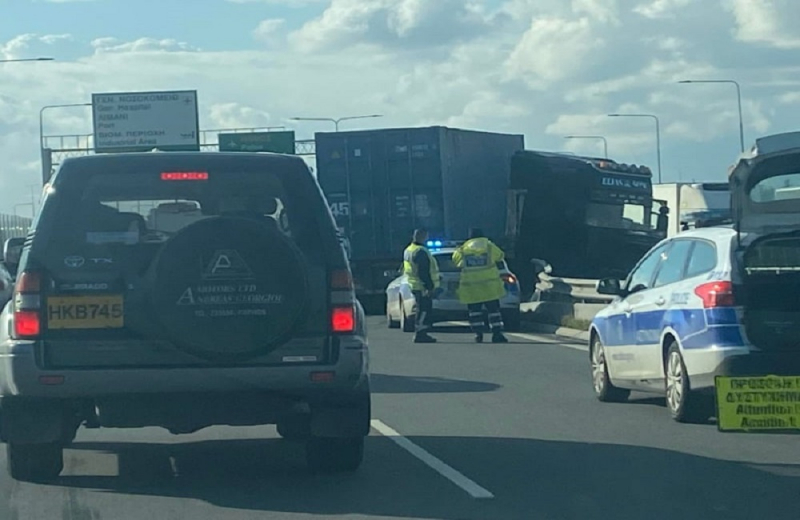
(147, 207)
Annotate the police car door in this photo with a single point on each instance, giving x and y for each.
(624, 334)
(662, 307)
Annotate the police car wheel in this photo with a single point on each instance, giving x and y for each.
(391, 322)
(684, 405)
(604, 389)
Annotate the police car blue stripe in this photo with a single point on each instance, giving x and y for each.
(696, 328)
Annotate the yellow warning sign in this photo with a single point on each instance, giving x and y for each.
(758, 403)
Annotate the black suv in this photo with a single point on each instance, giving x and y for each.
(183, 290)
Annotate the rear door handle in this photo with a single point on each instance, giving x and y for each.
(661, 301)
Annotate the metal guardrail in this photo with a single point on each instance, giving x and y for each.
(569, 290)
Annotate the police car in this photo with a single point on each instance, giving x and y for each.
(400, 304)
(711, 301)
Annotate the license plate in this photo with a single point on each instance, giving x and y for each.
(758, 403)
(85, 312)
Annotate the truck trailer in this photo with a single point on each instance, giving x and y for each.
(382, 184)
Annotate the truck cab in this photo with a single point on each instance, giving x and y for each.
(587, 217)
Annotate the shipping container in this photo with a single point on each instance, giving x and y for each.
(382, 184)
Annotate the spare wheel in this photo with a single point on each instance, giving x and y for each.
(229, 287)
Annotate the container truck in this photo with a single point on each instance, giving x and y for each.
(382, 184)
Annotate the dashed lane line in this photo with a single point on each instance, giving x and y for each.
(448, 472)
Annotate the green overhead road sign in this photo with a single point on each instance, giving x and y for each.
(276, 142)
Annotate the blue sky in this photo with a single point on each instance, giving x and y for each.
(543, 68)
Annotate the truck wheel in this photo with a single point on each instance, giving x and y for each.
(34, 462)
(334, 455)
(512, 320)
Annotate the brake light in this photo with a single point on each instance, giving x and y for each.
(343, 319)
(27, 324)
(27, 306)
(184, 176)
(716, 294)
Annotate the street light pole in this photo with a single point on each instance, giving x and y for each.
(738, 100)
(17, 60)
(605, 141)
(335, 121)
(658, 135)
(46, 163)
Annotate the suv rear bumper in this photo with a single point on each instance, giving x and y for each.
(20, 375)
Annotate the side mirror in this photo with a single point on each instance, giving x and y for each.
(609, 286)
(12, 251)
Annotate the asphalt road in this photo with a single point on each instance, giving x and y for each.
(462, 432)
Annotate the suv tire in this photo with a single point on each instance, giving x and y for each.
(34, 462)
(334, 455)
(295, 428)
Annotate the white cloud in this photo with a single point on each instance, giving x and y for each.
(771, 22)
(545, 68)
(141, 45)
(267, 30)
(661, 8)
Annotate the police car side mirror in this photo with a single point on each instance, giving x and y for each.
(609, 287)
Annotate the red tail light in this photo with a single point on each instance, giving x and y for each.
(27, 306)
(716, 294)
(27, 324)
(29, 283)
(343, 319)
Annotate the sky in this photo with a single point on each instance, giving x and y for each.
(542, 68)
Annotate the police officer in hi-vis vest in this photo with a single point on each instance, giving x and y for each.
(480, 284)
(423, 276)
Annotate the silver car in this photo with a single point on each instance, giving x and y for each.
(401, 307)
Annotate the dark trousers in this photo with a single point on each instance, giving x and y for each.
(424, 316)
(476, 316)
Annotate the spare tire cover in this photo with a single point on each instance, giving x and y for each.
(229, 287)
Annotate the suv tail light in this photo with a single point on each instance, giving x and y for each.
(343, 302)
(716, 294)
(27, 306)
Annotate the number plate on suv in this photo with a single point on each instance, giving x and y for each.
(85, 312)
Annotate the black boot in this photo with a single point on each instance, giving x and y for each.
(423, 337)
(479, 337)
(498, 337)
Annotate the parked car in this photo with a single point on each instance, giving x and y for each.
(401, 307)
(711, 301)
(244, 314)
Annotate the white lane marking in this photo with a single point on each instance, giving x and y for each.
(538, 338)
(454, 476)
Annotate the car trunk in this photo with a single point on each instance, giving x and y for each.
(766, 211)
(770, 293)
(118, 282)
